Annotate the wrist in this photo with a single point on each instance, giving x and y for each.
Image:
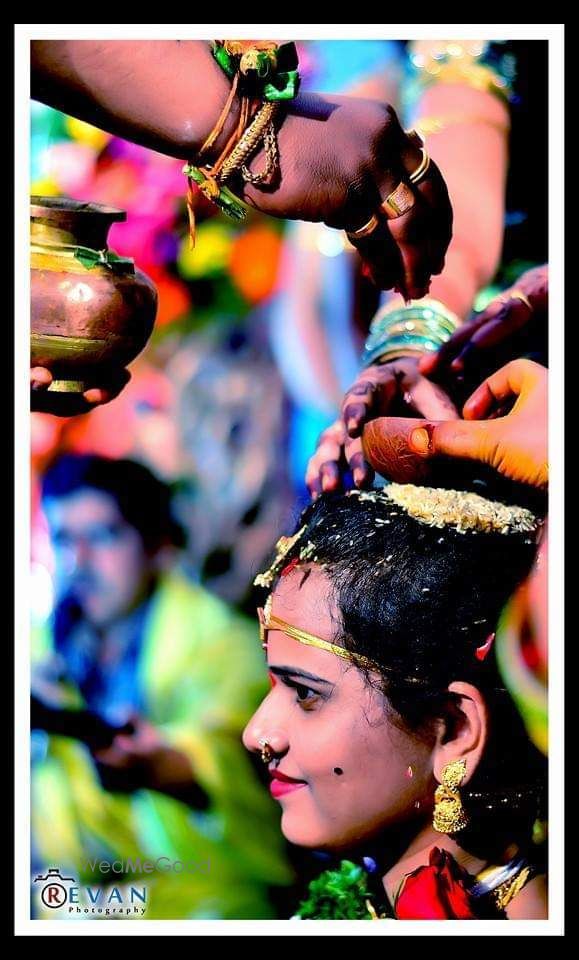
(218, 102)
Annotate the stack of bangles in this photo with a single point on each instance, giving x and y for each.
(263, 75)
(421, 327)
(401, 199)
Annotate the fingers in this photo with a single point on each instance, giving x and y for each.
(411, 235)
(336, 453)
(452, 438)
(441, 360)
(376, 387)
(429, 400)
(362, 472)
(323, 472)
(424, 232)
(433, 192)
(501, 320)
(517, 378)
(386, 447)
(511, 318)
(380, 255)
(433, 189)
(404, 252)
(108, 390)
(356, 406)
(40, 378)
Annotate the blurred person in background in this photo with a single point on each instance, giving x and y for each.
(173, 675)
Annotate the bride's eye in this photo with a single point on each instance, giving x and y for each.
(305, 696)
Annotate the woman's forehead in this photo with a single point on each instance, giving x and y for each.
(304, 598)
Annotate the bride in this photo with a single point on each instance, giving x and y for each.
(389, 737)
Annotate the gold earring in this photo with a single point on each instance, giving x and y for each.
(266, 751)
(449, 815)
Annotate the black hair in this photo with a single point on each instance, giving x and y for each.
(419, 601)
(143, 500)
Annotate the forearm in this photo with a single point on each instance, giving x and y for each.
(471, 150)
(163, 94)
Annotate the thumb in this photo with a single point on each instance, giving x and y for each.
(452, 438)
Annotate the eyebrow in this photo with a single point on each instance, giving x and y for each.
(293, 672)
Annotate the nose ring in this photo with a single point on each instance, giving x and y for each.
(266, 751)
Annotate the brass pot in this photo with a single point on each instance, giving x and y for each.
(92, 312)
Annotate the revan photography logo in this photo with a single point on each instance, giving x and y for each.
(65, 894)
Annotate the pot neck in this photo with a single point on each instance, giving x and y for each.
(76, 224)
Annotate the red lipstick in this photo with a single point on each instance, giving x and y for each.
(281, 784)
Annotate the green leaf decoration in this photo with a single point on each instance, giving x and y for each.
(340, 894)
(108, 258)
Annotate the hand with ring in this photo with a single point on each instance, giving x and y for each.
(395, 387)
(512, 324)
(514, 443)
(345, 161)
(349, 163)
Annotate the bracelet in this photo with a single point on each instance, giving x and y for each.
(421, 327)
(260, 129)
(260, 70)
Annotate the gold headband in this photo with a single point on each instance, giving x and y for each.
(267, 621)
(435, 507)
(310, 640)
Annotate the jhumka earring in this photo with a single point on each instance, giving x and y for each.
(449, 815)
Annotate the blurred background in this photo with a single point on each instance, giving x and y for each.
(258, 334)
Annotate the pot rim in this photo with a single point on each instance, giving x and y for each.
(53, 208)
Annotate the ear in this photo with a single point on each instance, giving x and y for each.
(464, 737)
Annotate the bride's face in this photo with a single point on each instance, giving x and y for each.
(352, 771)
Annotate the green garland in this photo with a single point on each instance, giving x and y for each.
(340, 894)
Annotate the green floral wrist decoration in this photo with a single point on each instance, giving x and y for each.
(420, 328)
(269, 71)
(263, 74)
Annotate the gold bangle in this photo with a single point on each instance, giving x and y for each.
(364, 231)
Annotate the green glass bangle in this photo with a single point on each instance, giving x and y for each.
(419, 328)
(401, 345)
